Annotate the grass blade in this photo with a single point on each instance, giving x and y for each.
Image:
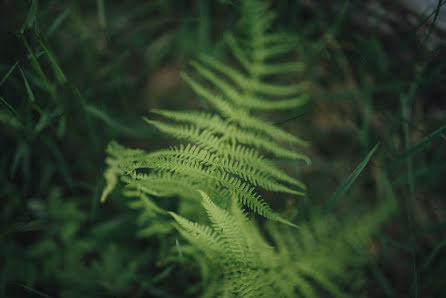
(9, 73)
(117, 126)
(432, 255)
(60, 18)
(60, 76)
(31, 290)
(35, 63)
(31, 17)
(9, 107)
(331, 202)
(421, 144)
(28, 88)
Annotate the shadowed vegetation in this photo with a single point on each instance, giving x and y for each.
(270, 87)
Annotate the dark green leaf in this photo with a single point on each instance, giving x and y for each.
(8, 73)
(28, 88)
(337, 195)
(31, 17)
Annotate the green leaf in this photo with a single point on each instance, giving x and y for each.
(110, 121)
(60, 76)
(28, 88)
(337, 195)
(31, 17)
(421, 144)
(428, 260)
(22, 153)
(9, 73)
(60, 18)
(9, 107)
(35, 63)
(31, 290)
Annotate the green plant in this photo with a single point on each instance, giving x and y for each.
(226, 160)
(323, 254)
(64, 256)
(76, 74)
(54, 241)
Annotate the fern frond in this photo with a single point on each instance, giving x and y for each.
(202, 120)
(274, 50)
(240, 116)
(188, 175)
(207, 140)
(227, 228)
(249, 84)
(111, 179)
(193, 134)
(300, 266)
(144, 202)
(251, 157)
(279, 68)
(318, 277)
(199, 235)
(227, 152)
(215, 124)
(162, 185)
(217, 101)
(276, 43)
(170, 159)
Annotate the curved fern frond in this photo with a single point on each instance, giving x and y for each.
(240, 116)
(170, 159)
(308, 263)
(226, 157)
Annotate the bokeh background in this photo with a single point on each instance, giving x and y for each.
(75, 75)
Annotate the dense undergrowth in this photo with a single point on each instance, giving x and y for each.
(76, 75)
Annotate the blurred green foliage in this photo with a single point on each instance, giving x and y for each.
(76, 74)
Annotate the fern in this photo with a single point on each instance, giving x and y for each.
(225, 156)
(244, 265)
(228, 155)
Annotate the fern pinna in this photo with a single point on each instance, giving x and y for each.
(226, 154)
(320, 257)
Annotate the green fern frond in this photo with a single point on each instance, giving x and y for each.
(242, 117)
(111, 179)
(199, 235)
(162, 184)
(249, 84)
(200, 119)
(170, 159)
(217, 125)
(209, 141)
(306, 263)
(228, 229)
(226, 158)
(191, 133)
(145, 203)
(278, 43)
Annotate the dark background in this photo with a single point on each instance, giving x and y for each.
(75, 75)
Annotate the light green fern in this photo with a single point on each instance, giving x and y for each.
(225, 156)
(318, 258)
(228, 156)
